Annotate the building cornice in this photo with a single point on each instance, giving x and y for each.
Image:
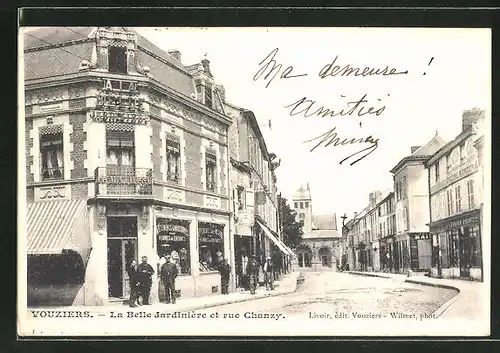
(448, 147)
(59, 45)
(407, 160)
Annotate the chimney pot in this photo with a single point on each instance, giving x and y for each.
(175, 54)
(470, 116)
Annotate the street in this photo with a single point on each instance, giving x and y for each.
(345, 294)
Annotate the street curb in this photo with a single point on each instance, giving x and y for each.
(439, 311)
(439, 285)
(235, 301)
(368, 274)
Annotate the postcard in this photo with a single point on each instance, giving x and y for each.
(281, 181)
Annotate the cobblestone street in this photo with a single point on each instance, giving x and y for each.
(333, 292)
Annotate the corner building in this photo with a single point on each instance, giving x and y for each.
(457, 197)
(126, 156)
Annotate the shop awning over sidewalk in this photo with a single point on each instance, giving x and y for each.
(57, 227)
(285, 249)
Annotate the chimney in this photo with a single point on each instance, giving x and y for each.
(471, 116)
(414, 148)
(175, 54)
(355, 214)
(206, 65)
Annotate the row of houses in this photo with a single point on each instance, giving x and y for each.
(131, 153)
(432, 220)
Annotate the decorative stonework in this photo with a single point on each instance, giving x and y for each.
(173, 195)
(50, 193)
(45, 95)
(76, 91)
(51, 129)
(211, 201)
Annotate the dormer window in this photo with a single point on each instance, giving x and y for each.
(208, 96)
(117, 60)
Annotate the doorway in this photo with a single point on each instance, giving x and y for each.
(465, 255)
(122, 249)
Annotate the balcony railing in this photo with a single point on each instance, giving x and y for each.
(123, 181)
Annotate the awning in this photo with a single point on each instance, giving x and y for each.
(54, 227)
(285, 249)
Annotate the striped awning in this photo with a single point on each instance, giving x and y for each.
(55, 226)
(285, 249)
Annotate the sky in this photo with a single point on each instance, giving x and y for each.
(448, 70)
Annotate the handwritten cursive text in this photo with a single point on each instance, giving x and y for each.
(331, 70)
(271, 67)
(330, 138)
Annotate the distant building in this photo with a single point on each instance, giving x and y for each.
(320, 241)
(412, 248)
(387, 230)
(457, 196)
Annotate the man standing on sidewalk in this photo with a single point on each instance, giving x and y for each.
(145, 272)
(225, 273)
(253, 272)
(168, 275)
(268, 273)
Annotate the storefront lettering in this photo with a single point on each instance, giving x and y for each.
(169, 238)
(456, 223)
(160, 228)
(209, 239)
(461, 173)
(211, 231)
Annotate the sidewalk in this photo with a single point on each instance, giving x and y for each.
(288, 284)
(469, 303)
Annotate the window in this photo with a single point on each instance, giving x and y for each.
(457, 199)
(449, 199)
(210, 245)
(405, 218)
(208, 96)
(210, 167)
(448, 163)
(117, 60)
(437, 171)
(301, 205)
(307, 204)
(241, 197)
(296, 204)
(173, 240)
(470, 193)
(120, 148)
(52, 161)
(173, 159)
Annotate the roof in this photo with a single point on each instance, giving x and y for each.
(323, 234)
(57, 45)
(324, 222)
(449, 146)
(302, 193)
(423, 153)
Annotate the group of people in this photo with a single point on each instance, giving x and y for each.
(250, 268)
(141, 279)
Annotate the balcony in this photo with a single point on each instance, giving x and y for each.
(123, 181)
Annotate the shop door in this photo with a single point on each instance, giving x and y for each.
(301, 260)
(324, 260)
(122, 249)
(464, 246)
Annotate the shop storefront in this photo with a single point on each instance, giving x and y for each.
(457, 246)
(420, 251)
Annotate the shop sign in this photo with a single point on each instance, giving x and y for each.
(458, 173)
(210, 233)
(456, 222)
(169, 238)
(419, 236)
(171, 228)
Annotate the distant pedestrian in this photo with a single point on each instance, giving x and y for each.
(145, 272)
(169, 273)
(268, 273)
(253, 273)
(225, 272)
(134, 283)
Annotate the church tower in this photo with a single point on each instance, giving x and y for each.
(302, 204)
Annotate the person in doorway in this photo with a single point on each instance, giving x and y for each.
(253, 272)
(225, 273)
(145, 279)
(244, 272)
(183, 253)
(168, 275)
(268, 273)
(134, 284)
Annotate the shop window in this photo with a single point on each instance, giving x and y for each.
(173, 239)
(475, 244)
(52, 156)
(458, 200)
(173, 159)
(120, 149)
(241, 197)
(454, 258)
(117, 59)
(210, 167)
(210, 245)
(470, 193)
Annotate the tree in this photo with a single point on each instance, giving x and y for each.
(292, 230)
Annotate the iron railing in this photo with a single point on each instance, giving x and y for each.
(123, 181)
